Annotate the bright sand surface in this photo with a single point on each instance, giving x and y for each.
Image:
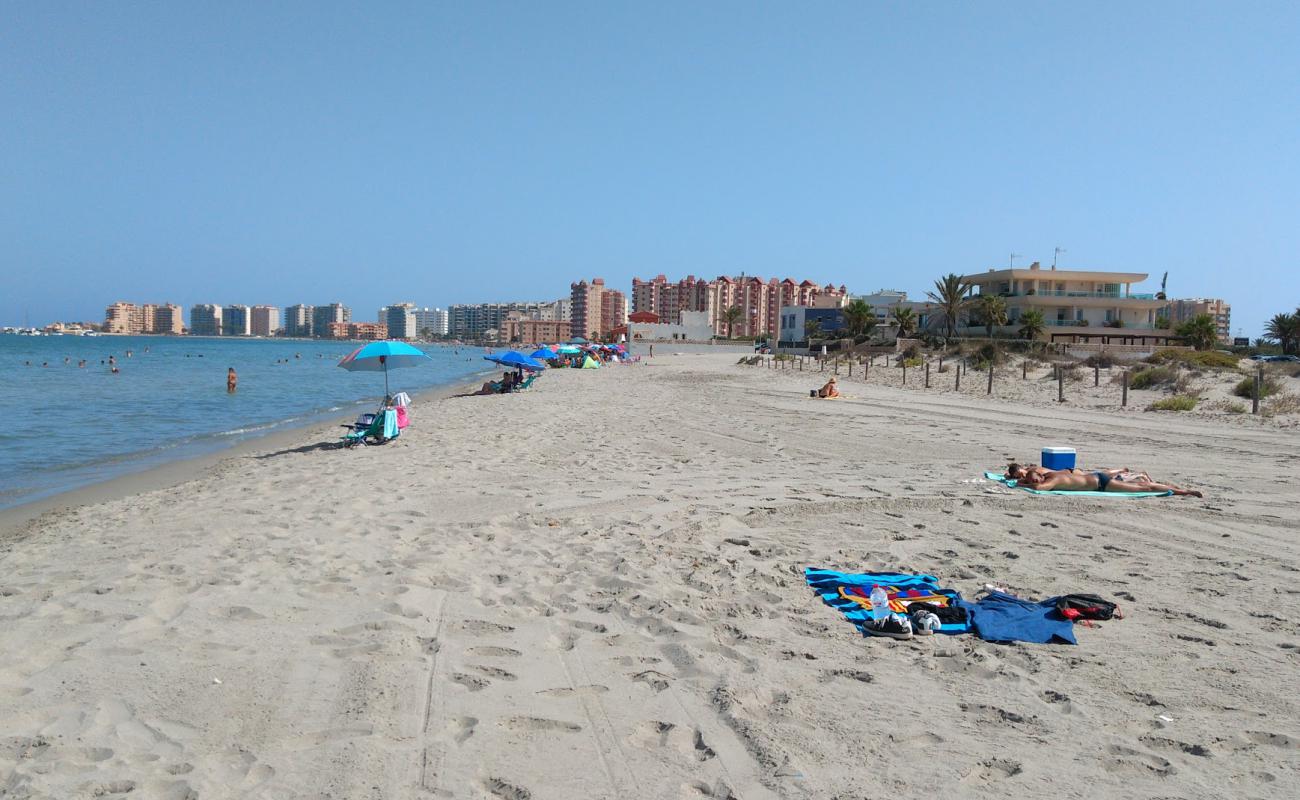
(594, 590)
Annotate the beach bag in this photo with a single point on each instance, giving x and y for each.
(1087, 606)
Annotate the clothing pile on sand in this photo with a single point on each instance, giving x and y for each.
(902, 605)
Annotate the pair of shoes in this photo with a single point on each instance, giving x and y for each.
(891, 626)
(925, 623)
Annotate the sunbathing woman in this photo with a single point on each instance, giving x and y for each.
(1098, 482)
(1017, 472)
(829, 390)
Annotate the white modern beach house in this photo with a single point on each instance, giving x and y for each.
(1079, 306)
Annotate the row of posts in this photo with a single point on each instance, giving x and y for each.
(962, 366)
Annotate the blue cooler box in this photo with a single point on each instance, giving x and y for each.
(1058, 457)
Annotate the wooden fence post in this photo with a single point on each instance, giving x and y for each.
(1060, 384)
(904, 373)
(1124, 400)
(927, 374)
(1259, 381)
(1024, 370)
(837, 365)
(957, 382)
(1096, 375)
(990, 391)
(850, 367)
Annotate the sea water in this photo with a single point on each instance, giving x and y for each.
(63, 426)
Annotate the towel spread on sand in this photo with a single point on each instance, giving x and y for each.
(1001, 617)
(1009, 482)
(850, 593)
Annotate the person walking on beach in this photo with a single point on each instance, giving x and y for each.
(232, 381)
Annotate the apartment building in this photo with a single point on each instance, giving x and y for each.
(168, 319)
(236, 320)
(434, 321)
(517, 328)
(474, 320)
(297, 320)
(263, 320)
(760, 301)
(1078, 305)
(597, 309)
(1179, 311)
(363, 331)
(122, 317)
(400, 320)
(205, 320)
(323, 316)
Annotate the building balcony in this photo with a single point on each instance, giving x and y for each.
(1068, 293)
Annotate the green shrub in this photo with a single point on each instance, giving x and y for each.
(913, 362)
(912, 351)
(1246, 387)
(1206, 359)
(1179, 402)
(1233, 407)
(1153, 377)
(1103, 360)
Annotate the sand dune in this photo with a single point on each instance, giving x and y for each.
(594, 589)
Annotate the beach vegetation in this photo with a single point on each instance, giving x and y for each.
(1284, 329)
(950, 295)
(1286, 403)
(859, 319)
(1153, 377)
(1103, 360)
(993, 312)
(987, 355)
(1200, 332)
(905, 320)
(1268, 387)
(731, 316)
(1032, 324)
(1179, 402)
(812, 329)
(1162, 323)
(1205, 359)
(912, 351)
(913, 362)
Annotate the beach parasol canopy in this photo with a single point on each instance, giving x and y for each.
(542, 353)
(569, 350)
(379, 356)
(513, 358)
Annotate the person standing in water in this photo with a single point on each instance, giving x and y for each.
(232, 380)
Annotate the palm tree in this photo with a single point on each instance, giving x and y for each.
(730, 316)
(1285, 330)
(950, 294)
(1162, 323)
(1032, 324)
(1199, 331)
(905, 319)
(812, 328)
(859, 319)
(994, 311)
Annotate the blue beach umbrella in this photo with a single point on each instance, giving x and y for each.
(542, 354)
(378, 356)
(513, 358)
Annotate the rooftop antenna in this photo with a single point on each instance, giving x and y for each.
(1059, 250)
(1014, 256)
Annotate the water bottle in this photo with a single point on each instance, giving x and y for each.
(879, 603)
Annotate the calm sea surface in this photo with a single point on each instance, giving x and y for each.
(67, 426)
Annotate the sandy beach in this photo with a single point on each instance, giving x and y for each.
(594, 589)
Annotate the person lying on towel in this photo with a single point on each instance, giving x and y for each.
(1016, 472)
(829, 390)
(1097, 482)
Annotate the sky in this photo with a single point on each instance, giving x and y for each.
(467, 152)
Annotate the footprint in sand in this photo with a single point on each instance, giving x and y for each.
(494, 672)
(479, 627)
(540, 724)
(991, 771)
(471, 682)
(575, 691)
(494, 652)
(462, 728)
(505, 790)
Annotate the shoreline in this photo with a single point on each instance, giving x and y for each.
(17, 519)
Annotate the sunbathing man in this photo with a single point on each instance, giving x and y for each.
(1098, 482)
(829, 390)
(1017, 472)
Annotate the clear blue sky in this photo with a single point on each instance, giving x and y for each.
(463, 152)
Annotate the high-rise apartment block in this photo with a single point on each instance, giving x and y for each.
(759, 301)
(297, 321)
(399, 318)
(431, 322)
(322, 316)
(473, 321)
(264, 320)
(205, 320)
(122, 317)
(597, 309)
(168, 319)
(236, 320)
(1179, 311)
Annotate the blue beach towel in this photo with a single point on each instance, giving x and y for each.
(1001, 617)
(1011, 483)
(836, 588)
